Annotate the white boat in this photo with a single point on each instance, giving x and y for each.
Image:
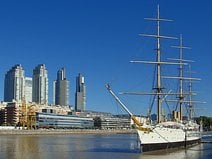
(166, 134)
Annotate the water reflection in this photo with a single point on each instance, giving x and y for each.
(190, 153)
(89, 147)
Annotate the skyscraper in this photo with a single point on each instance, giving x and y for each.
(14, 84)
(80, 95)
(61, 89)
(54, 93)
(28, 89)
(40, 85)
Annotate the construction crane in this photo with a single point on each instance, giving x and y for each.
(31, 117)
(27, 116)
(23, 114)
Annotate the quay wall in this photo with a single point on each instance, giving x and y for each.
(64, 131)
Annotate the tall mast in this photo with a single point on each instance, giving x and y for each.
(191, 102)
(181, 78)
(158, 61)
(181, 75)
(158, 67)
(190, 96)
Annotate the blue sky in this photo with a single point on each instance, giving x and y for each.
(99, 38)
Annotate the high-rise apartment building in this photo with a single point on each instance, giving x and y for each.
(54, 93)
(61, 89)
(80, 95)
(14, 84)
(28, 89)
(40, 85)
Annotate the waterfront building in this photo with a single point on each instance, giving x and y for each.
(28, 89)
(80, 95)
(14, 84)
(93, 114)
(112, 122)
(50, 120)
(2, 116)
(40, 85)
(10, 114)
(61, 89)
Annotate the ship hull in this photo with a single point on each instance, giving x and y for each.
(160, 146)
(169, 135)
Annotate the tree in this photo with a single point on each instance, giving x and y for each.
(206, 122)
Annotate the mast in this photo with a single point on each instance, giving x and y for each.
(191, 102)
(158, 68)
(190, 96)
(181, 78)
(158, 61)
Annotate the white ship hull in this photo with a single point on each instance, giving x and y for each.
(163, 137)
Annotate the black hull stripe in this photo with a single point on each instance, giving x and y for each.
(159, 146)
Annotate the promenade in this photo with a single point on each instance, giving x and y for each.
(64, 131)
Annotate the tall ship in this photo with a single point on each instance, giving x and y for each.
(177, 131)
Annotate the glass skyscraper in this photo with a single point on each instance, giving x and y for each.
(40, 85)
(28, 89)
(80, 95)
(61, 89)
(14, 84)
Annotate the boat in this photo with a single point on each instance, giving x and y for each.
(165, 134)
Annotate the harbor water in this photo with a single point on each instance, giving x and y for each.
(90, 146)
